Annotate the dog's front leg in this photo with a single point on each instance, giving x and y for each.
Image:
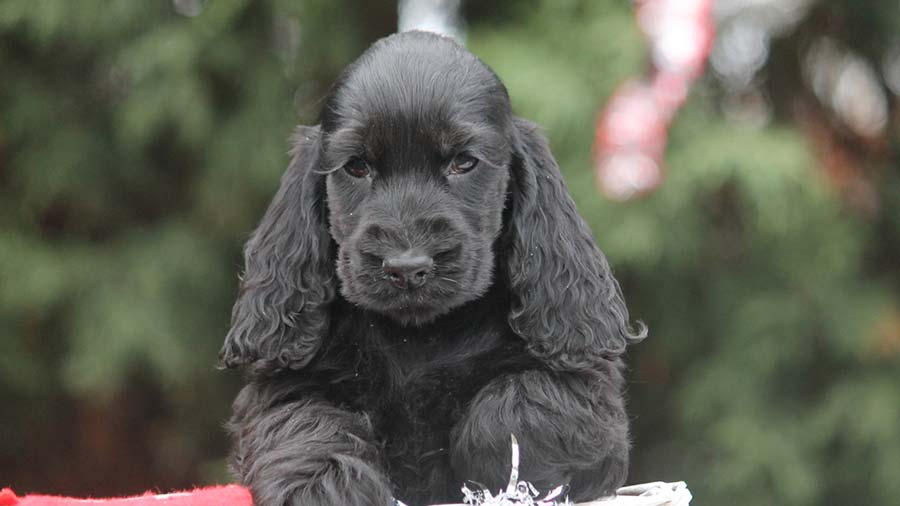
(304, 452)
(571, 428)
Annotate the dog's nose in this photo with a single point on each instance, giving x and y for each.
(407, 271)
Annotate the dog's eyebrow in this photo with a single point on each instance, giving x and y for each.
(475, 136)
(342, 145)
(463, 134)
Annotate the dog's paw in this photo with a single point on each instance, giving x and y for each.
(344, 481)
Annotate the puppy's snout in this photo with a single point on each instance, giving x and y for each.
(407, 271)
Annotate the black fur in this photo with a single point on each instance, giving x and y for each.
(359, 390)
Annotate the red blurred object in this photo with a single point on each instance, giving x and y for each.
(632, 129)
(227, 495)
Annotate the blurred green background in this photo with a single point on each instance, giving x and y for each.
(141, 140)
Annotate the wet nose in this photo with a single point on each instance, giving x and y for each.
(407, 271)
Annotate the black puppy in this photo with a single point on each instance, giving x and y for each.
(420, 288)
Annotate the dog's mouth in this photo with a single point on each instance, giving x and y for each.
(413, 305)
(364, 282)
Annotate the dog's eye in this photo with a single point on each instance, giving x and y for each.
(357, 167)
(462, 164)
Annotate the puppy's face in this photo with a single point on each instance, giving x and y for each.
(416, 138)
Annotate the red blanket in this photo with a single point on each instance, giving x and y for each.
(228, 495)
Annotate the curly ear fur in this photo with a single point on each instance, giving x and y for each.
(566, 303)
(281, 313)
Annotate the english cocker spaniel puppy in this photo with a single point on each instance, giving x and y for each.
(420, 288)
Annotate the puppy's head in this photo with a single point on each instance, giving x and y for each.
(417, 178)
(416, 143)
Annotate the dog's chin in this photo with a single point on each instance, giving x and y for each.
(410, 309)
(415, 316)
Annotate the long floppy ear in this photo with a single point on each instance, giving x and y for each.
(281, 313)
(566, 303)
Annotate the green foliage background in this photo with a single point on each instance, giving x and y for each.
(139, 146)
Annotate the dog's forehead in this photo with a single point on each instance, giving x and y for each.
(415, 72)
(418, 88)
